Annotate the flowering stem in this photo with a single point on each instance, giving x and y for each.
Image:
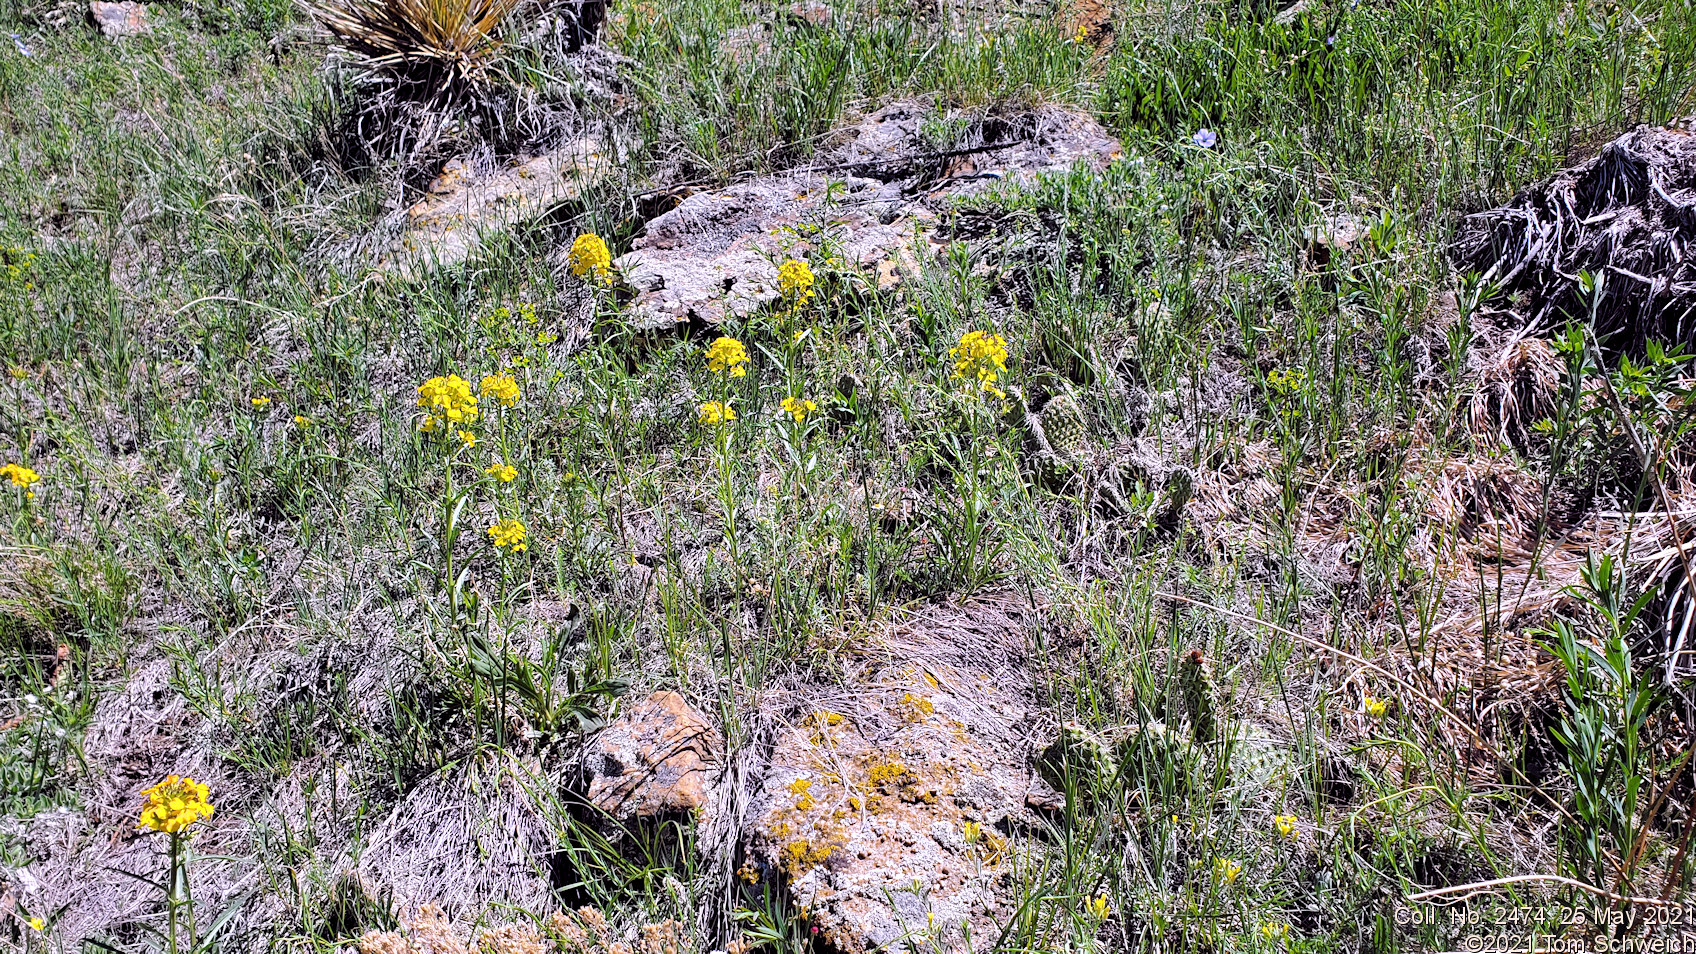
(727, 495)
(173, 873)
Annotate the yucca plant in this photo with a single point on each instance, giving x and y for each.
(436, 50)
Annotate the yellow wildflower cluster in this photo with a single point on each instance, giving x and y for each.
(589, 257)
(1376, 707)
(447, 402)
(302, 422)
(727, 356)
(21, 477)
(260, 401)
(799, 408)
(1285, 826)
(981, 356)
(500, 388)
(18, 262)
(1275, 930)
(502, 471)
(795, 280)
(508, 535)
(1226, 870)
(1099, 907)
(714, 413)
(175, 804)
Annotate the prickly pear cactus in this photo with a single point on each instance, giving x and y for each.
(1195, 681)
(1080, 753)
(1063, 422)
(1145, 751)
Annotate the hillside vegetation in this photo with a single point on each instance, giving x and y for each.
(1270, 565)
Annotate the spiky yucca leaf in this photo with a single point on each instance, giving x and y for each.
(440, 44)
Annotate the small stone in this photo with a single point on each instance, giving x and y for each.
(120, 18)
(811, 11)
(654, 760)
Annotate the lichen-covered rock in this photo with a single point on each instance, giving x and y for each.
(656, 759)
(885, 809)
(466, 203)
(867, 202)
(120, 18)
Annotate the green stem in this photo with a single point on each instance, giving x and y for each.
(173, 873)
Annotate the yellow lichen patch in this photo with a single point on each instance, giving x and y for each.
(801, 789)
(916, 708)
(801, 855)
(824, 726)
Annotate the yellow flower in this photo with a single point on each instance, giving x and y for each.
(799, 408)
(727, 356)
(501, 387)
(589, 257)
(1226, 870)
(715, 412)
(1376, 707)
(981, 356)
(175, 804)
(20, 476)
(1275, 930)
(973, 832)
(36, 924)
(508, 535)
(300, 421)
(469, 438)
(447, 401)
(502, 472)
(1099, 908)
(1285, 825)
(795, 280)
(260, 401)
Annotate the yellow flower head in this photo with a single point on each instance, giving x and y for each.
(260, 401)
(1285, 826)
(300, 421)
(175, 804)
(1275, 930)
(1099, 908)
(981, 356)
(508, 535)
(715, 412)
(727, 356)
(589, 257)
(502, 471)
(501, 387)
(973, 832)
(447, 402)
(20, 476)
(37, 925)
(1376, 707)
(795, 280)
(1226, 870)
(799, 408)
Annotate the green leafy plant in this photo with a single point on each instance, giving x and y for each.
(1608, 731)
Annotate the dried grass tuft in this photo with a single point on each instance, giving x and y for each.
(1516, 389)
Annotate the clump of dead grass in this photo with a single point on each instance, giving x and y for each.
(1516, 389)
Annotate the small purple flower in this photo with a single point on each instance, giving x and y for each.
(1205, 138)
(22, 47)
